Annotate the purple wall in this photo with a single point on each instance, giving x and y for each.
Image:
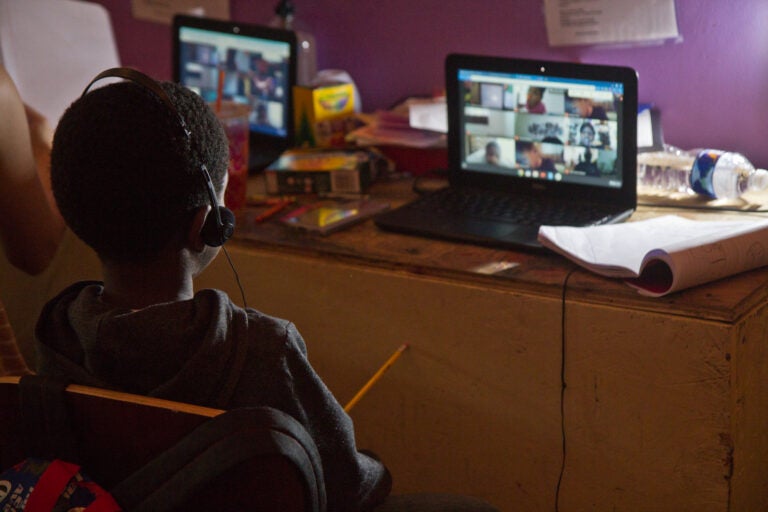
(710, 87)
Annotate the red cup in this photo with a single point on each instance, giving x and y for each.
(234, 119)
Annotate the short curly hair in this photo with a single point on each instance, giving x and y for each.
(125, 176)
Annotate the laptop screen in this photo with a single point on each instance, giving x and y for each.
(539, 122)
(256, 66)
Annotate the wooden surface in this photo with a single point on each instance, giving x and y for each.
(535, 272)
(118, 396)
(665, 400)
(364, 243)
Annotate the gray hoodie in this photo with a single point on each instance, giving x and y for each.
(210, 352)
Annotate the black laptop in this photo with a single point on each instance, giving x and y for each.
(258, 68)
(530, 143)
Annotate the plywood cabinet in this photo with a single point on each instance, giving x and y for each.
(665, 403)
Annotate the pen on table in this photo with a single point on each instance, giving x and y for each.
(376, 376)
(271, 211)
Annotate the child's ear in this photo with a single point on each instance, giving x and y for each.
(195, 235)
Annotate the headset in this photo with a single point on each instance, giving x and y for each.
(220, 225)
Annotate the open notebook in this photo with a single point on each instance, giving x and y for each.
(530, 143)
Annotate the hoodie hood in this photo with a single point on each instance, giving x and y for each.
(207, 351)
(80, 337)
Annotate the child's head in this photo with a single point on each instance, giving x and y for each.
(534, 95)
(587, 134)
(492, 152)
(529, 155)
(584, 106)
(123, 173)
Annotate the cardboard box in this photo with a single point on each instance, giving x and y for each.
(325, 171)
(323, 115)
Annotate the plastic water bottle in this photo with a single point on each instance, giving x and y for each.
(307, 65)
(725, 175)
(707, 172)
(664, 172)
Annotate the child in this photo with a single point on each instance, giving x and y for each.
(134, 186)
(533, 102)
(492, 153)
(131, 184)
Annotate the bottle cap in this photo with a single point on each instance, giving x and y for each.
(758, 180)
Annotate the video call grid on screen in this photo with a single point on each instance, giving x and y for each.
(255, 72)
(546, 128)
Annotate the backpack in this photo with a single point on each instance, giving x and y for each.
(40, 485)
(251, 458)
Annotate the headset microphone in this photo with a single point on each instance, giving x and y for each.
(220, 224)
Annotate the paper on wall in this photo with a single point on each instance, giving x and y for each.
(52, 48)
(587, 22)
(162, 11)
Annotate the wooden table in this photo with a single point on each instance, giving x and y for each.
(665, 400)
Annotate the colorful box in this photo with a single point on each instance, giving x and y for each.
(325, 171)
(323, 115)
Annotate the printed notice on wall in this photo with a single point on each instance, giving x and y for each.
(162, 11)
(588, 22)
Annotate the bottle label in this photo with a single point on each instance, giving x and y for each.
(703, 171)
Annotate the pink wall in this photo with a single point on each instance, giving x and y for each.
(710, 88)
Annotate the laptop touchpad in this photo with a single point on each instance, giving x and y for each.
(491, 229)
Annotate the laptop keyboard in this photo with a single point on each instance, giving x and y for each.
(521, 209)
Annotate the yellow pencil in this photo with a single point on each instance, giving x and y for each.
(376, 376)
